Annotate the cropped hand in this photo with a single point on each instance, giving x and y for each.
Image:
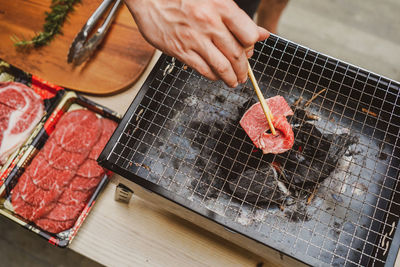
(215, 37)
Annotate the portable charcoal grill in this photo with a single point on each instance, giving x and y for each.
(332, 200)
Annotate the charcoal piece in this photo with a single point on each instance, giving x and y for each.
(220, 98)
(314, 155)
(257, 186)
(208, 185)
(310, 141)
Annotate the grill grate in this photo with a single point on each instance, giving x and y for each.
(332, 200)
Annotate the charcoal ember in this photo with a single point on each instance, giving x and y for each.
(314, 155)
(310, 142)
(210, 182)
(257, 186)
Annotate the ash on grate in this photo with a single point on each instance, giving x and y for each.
(268, 180)
(214, 161)
(258, 186)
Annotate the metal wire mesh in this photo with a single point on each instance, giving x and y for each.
(335, 199)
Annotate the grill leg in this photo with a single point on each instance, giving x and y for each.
(123, 193)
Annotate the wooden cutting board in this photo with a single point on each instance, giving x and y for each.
(117, 63)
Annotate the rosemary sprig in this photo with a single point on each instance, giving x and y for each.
(52, 26)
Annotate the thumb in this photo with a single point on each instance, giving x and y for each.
(250, 51)
(262, 33)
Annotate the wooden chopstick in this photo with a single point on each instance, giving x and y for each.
(267, 111)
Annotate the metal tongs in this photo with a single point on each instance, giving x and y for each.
(82, 47)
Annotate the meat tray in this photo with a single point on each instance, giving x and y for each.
(69, 101)
(333, 199)
(50, 94)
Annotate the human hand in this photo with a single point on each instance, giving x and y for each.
(215, 37)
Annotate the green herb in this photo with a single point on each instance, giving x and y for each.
(52, 26)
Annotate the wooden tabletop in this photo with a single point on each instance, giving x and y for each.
(115, 65)
(143, 234)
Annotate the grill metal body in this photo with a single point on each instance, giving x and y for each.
(181, 138)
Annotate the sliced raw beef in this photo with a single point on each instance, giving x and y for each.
(11, 94)
(74, 197)
(22, 208)
(61, 159)
(54, 226)
(3, 125)
(60, 180)
(90, 168)
(108, 129)
(48, 178)
(256, 126)
(40, 212)
(35, 108)
(38, 166)
(20, 111)
(78, 131)
(62, 212)
(42, 201)
(53, 179)
(5, 112)
(80, 183)
(27, 210)
(35, 195)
